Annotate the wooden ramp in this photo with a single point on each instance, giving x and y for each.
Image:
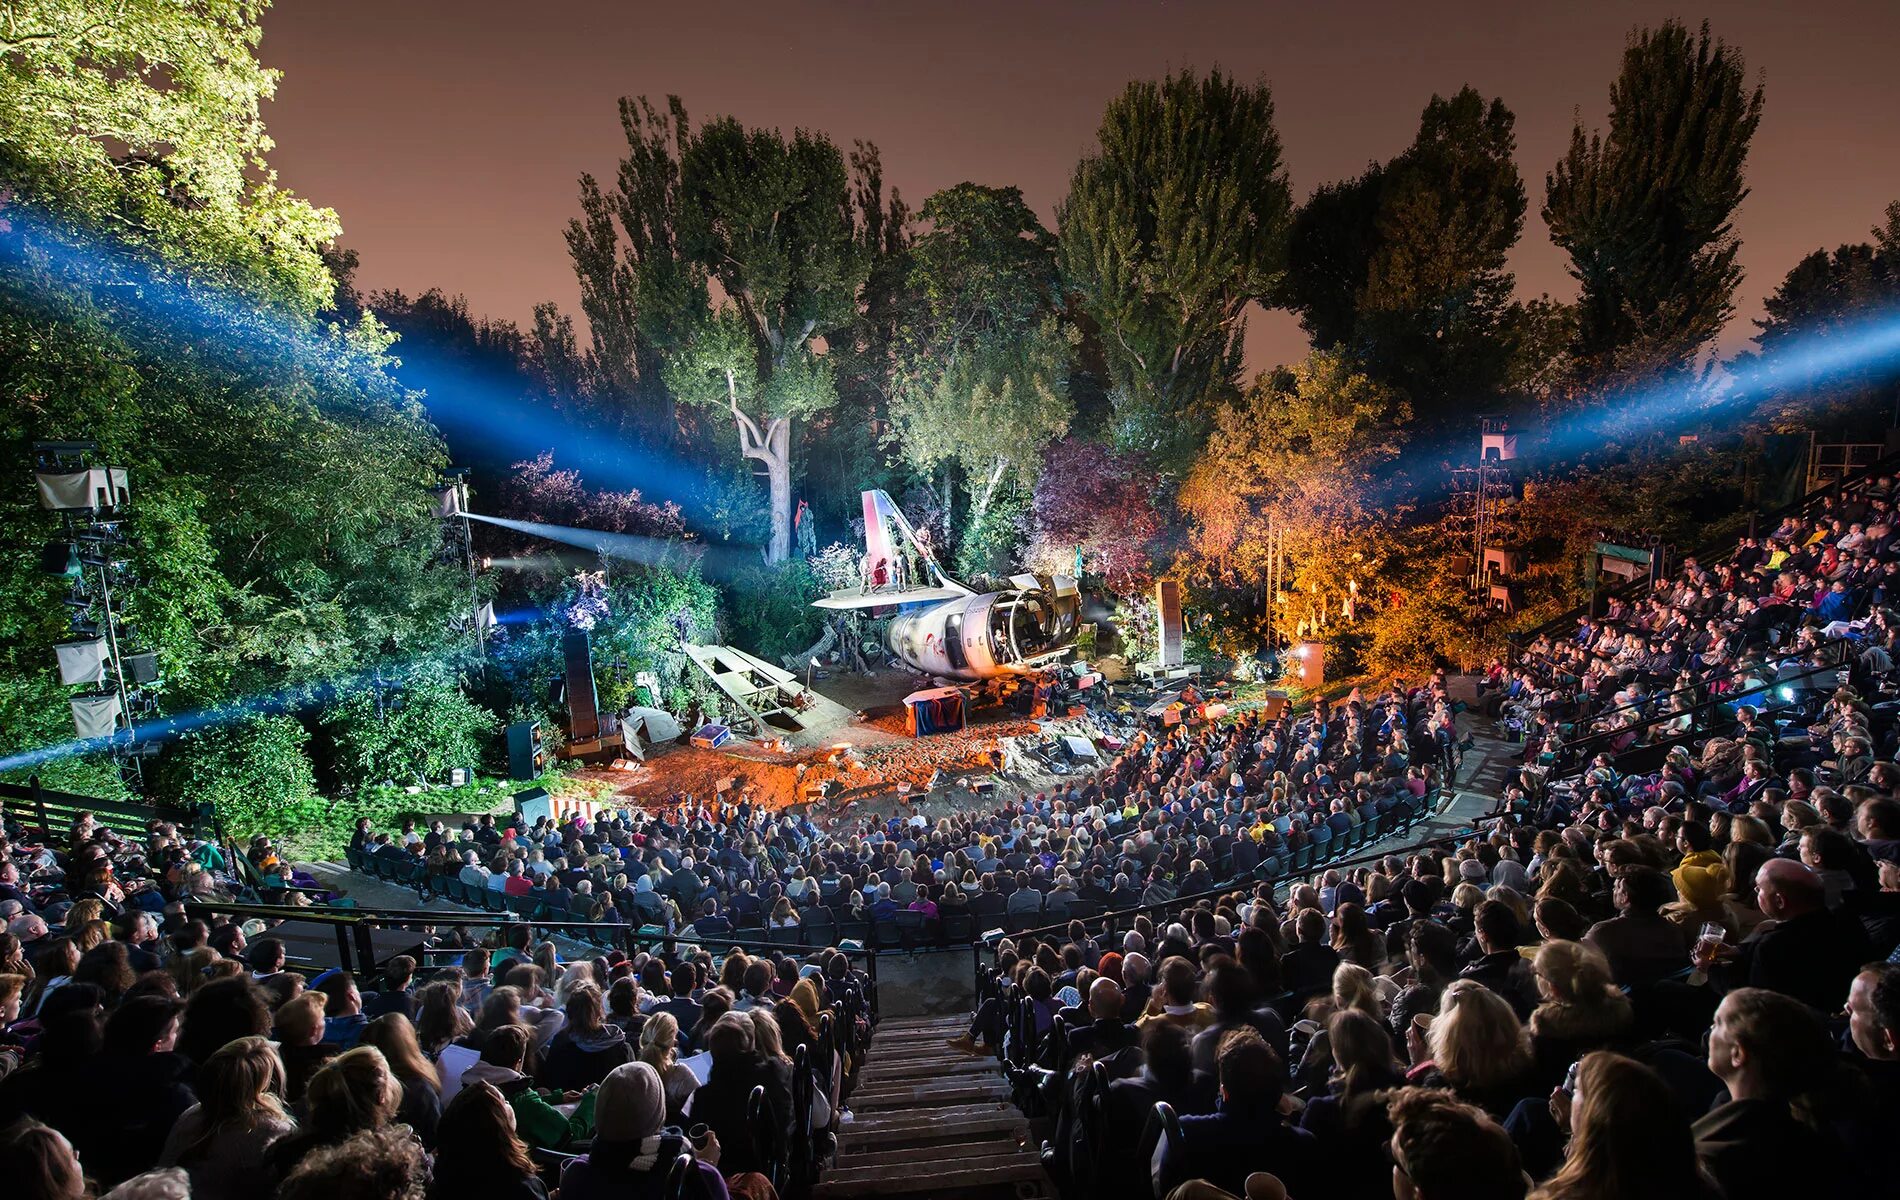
(768, 698)
(931, 1122)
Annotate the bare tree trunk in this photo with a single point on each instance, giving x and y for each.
(989, 492)
(773, 447)
(777, 458)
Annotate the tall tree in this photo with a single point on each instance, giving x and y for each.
(1168, 232)
(982, 375)
(1297, 454)
(766, 217)
(1404, 267)
(633, 273)
(1644, 211)
(1825, 301)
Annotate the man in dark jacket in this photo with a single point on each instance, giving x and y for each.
(1246, 1132)
(1106, 1031)
(1805, 951)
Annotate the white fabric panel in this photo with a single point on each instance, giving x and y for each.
(96, 715)
(72, 491)
(82, 662)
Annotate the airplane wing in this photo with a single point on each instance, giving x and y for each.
(887, 597)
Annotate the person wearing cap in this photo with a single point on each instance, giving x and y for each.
(633, 1148)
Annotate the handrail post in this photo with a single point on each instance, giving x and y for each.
(343, 947)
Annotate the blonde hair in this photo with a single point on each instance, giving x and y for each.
(1354, 988)
(240, 1087)
(300, 1021)
(659, 1040)
(352, 1092)
(766, 1035)
(1477, 1040)
(1576, 973)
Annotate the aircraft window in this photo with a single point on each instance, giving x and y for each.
(953, 641)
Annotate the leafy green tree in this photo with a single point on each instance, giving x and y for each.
(256, 775)
(142, 116)
(1168, 232)
(1404, 267)
(767, 219)
(1297, 454)
(982, 376)
(160, 295)
(1827, 299)
(633, 271)
(1644, 211)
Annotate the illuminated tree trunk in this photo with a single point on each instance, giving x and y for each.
(773, 447)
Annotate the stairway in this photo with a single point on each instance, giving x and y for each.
(929, 1121)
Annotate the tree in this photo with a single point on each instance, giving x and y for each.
(1099, 506)
(143, 117)
(981, 379)
(160, 295)
(1404, 267)
(1825, 301)
(766, 218)
(1298, 455)
(1168, 232)
(633, 272)
(1644, 210)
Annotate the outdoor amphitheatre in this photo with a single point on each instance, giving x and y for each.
(1015, 602)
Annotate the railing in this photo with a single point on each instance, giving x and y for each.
(52, 812)
(356, 948)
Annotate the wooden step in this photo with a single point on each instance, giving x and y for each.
(901, 1119)
(936, 1178)
(1008, 1126)
(913, 1024)
(911, 1068)
(928, 1097)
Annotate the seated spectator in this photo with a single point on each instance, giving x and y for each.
(634, 1148)
(1774, 1056)
(1582, 1008)
(1307, 968)
(221, 1140)
(659, 1049)
(1806, 952)
(298, 1028)
(1641, 944)
(421, 1105)
(1479, 1050)
(1443, 1149)
(720, 1103)
(377, 1164)
(343, 1015)
(477, 1152)
(1174, 1001)
(537, 1120)
(1246, 1132)
(1628, 1137)
(587, 1048)
(354, 1093)
(149, 1085)
(1107, 1031)
(38, 1163)
(1348, 1121)
(1499, 966)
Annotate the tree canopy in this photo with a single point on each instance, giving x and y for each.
(1645, 210)
(1169, 231)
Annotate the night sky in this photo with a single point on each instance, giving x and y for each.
(449, 133)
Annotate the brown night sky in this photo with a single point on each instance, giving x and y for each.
(449, 133)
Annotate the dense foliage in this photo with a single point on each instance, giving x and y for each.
(765, 329)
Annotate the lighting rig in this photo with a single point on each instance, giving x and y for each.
(119, 680)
